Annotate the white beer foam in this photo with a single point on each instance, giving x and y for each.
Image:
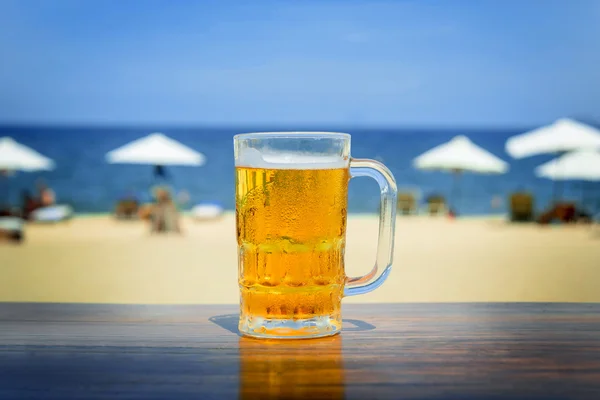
(253, 158)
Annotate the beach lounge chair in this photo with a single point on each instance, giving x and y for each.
(521, 207)
(561, 212)
(11, 229)
(49, 214)
(127, 209)
(407, 204)
(436, 205)
(207, 211)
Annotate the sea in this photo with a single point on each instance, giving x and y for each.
(83, 179)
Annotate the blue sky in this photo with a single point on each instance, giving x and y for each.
(417, 63)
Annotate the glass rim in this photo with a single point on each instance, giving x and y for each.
(292, 135)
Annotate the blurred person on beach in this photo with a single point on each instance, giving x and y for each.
(46, 194)
(165, 216)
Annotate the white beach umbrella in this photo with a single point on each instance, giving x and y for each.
(15, 156)
(577, 165)
(459, 155)
(563, 135)
(156, 149)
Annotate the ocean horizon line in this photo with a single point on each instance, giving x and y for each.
(255, 127)
(403, 126)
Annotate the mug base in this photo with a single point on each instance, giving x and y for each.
(270, 328)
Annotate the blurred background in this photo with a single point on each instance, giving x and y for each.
(80, 79)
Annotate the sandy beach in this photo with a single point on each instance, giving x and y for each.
(100, 260)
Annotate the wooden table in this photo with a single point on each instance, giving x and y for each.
(391, 351)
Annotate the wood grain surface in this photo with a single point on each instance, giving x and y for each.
(386, 351)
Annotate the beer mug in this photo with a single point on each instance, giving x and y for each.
(291, 209)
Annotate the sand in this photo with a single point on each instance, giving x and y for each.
(100, 260)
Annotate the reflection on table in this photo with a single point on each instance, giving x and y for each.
(291, 369)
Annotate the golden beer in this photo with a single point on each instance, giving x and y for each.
(291, 231)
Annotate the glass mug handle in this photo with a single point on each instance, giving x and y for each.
(387, 225)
